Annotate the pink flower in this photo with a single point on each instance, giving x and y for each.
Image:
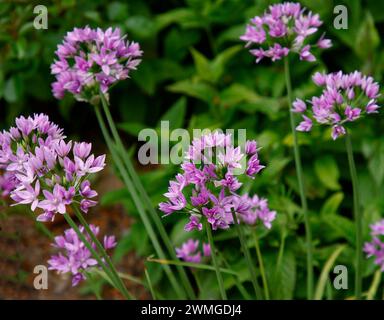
(285, 23)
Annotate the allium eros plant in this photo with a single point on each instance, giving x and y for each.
(284, 28)
(43, 170)
(345, 98)
(209, 184)
(375, 248)
(75, 257)
(190, 251)
(90, 60)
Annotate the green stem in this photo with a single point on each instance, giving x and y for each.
(103, 253)
(300, 179)
(215, 262)
(357, 216)
(261, 263)
(149, 282)
(138, 204)
(147, 201)
(101, 263)
(248, 258)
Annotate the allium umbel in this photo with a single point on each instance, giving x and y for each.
(208, 187)
(344, 99)
(190, 252)
(45, 171)
(76, 258)
(90, 60)
(282, 29)
(375, 248)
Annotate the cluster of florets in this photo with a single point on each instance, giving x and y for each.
(375, 248)
(44, 171)
(209, 183)
(190, 251)
(284, 28)
(345, 98)
(76, 258)
(90, 60)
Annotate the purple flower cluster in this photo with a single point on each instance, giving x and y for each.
(89, 60)
(209, 183)
(8, 182)
(253, 209)
(189, 251)
(375, 248)
(44, 171)
(284, 28)
(345, 98)
(77, 259)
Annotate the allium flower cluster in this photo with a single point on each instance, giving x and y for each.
(43, 170)
(92, 59)
(190, 252)
(284, 28)
(345, 98)
(375, 248)
(209, 183)
(8, 182)
(76, 257)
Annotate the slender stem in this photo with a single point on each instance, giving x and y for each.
(238, 283)
(248, 258)
(138, 204)
(149, 282)
(357, 215)
(215, 262)
(261, 263)
(102, 251)
(147, 201)
(101, 263)
(300, 179)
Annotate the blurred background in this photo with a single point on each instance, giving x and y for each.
(196, 74)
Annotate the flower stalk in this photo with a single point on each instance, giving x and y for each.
(215, 261)
(300, 179)
(136, 183)
(96, 255)
(357, 216)
(247, 254)
(144, 218)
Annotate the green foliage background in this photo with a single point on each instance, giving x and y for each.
(196, 73)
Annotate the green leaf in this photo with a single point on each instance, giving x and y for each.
(202, 65)
(179, 15)
(367, 39)
(114, 196)
(284, 282)
(11, 92)
(327, 171)
(332, 204)
(132, 128)
(194, 89)
(176, 114)
(325, 273)
(141, 27)
(145, 77)
(343, 227)
(375, 164)
(117, 11)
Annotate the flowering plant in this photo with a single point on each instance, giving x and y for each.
(189, 251)
(282, 29)
(345, 98)
(90, 60)
(209, 183)
(43, 170)
(76, 258)
(375, 248)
